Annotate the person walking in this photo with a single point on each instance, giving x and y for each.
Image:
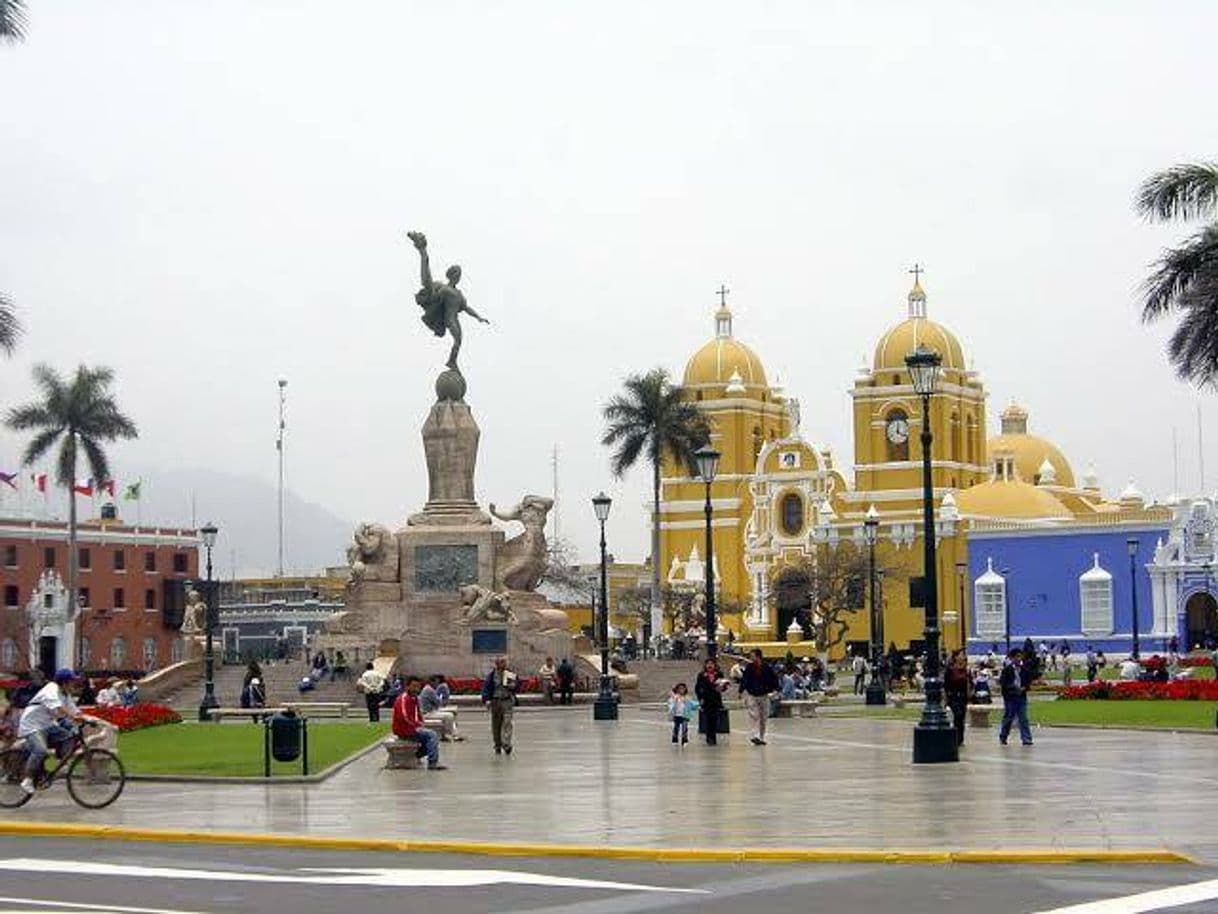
(1015, 679)
(709, 689)
(1093, 664)
(566, 682)
(681, 707)
(956, 683)
(757, 683)
(859, 666)
(371, 685)
(499, 691)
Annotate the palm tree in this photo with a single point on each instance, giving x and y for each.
(651, 419)
(79, 415)
(12, 20)
(1185, 278)
(10, 327)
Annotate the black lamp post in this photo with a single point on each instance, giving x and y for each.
(707, 459)
(605, 706)
(1006, 606)
(1132, 545)
(934, 737)
(209, 532)
(875, 688)
(961, 573)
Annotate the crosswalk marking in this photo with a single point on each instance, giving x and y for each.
(1156, 900)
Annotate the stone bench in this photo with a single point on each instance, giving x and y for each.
(401, 753)
(319, 708)
(218, 714)
(796, 707)
(897, 701)
(979, 716)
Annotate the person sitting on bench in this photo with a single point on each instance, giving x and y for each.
(408, 724)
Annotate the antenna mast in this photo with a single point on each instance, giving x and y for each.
(279, 447)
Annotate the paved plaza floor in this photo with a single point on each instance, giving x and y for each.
(823, 782)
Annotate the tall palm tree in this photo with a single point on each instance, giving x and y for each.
(10, 327)
(651, 419)
(1185, 278)
(79, 414)
(12, 20)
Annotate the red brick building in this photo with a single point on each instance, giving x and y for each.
(131, 595)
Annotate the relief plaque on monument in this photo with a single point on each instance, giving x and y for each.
(444, 568)
(489, 640)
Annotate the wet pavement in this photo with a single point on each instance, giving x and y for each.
(820, 782)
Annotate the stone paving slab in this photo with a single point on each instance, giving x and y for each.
(819, 783)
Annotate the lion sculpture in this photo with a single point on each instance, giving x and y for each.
(484, 605)
(521, 561)
(373, 556)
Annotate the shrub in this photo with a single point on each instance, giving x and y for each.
(1179, 690)
(137, 717)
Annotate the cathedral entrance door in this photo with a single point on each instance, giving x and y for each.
(1201, 619)
(793, 598)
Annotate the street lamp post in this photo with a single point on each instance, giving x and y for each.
(605, 706)
(209, 532)
(1006, 606)
(707, 459)
(875, 688)
(1132, 545)
(934, 737)
(961, 573)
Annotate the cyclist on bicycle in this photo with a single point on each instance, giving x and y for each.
(41, 724)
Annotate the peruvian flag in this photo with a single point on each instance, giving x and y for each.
(40, 481)
(86, 489)
(106, 485)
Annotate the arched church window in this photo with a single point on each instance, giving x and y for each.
(1095, 595)
(8, 655)
(86, 651)
(118, 653)
(150, 654)
(792, 510)
(971, 442)
(896, 434)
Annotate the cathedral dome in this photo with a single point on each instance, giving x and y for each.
(917, 330)
(1030, 451)
(1003, 499)
(726, 361)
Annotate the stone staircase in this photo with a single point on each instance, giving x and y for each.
(279, 678)
(657, 677)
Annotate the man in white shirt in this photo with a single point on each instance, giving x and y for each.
(41, 723)
(372, 684)
(1130, 669)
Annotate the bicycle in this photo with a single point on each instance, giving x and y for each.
(95, 777)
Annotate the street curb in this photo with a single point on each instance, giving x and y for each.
(652, 854)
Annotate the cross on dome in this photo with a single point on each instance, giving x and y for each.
(917, 295)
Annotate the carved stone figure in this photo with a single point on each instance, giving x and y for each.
(521, 561)
(442, 303)
(484, 605)
(194, 616)
(373, 556)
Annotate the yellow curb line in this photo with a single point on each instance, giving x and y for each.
(654, 854)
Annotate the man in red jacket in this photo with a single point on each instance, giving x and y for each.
(408, 723)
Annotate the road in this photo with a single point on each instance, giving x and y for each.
(52, 875)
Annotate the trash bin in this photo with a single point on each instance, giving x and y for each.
(285, 736)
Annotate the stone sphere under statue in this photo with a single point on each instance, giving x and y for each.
(450, 385)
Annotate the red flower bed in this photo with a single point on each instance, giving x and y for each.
(469, 685)
(1180, 690)
(137, 717)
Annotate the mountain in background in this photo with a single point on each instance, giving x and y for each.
(244, 508)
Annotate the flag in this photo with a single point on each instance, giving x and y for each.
(132, 492)
(106, 485)
(86, 489)
(40, 481)
(9, 479)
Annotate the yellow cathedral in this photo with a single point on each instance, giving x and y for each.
(779, 500)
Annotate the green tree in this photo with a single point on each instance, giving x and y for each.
(10, 327)
(78, 414)
(12, 20)
(650, 419)
(1184, 280)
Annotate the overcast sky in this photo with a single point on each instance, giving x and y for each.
(209, 196)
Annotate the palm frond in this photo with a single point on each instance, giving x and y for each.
(1193, 346)
(1188, 191)
(13, 20)
(65, 463)
(31, 416)
(99, 466)
(627, 454)
(40, 444)
(1181, 273)
(10, 327)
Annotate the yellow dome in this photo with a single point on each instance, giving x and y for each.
(1030, 451)
(914, 331)
(724, 360)
(1003, 499)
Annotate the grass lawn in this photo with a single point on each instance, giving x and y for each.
(235, 749)
(1178, 715)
